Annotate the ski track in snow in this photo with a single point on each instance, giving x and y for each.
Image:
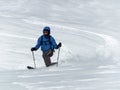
(111, 44)
(15, 36)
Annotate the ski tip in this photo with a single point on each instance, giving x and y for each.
(29, 67)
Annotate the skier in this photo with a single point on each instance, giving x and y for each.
(48, 44)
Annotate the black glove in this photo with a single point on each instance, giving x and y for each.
(33, 49)
(59, 45)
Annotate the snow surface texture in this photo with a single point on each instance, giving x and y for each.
(89, 31)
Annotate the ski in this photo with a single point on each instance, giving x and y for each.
(29, 67)
(53, 64)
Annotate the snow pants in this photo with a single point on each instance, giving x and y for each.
(46, 57)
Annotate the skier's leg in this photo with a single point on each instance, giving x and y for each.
(46, 60)
(46, 57)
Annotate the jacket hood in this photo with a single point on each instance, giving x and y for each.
(46, 29)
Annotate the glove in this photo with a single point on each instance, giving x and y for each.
(33, 49)
(59, 45)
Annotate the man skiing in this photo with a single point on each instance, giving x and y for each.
(48, 44)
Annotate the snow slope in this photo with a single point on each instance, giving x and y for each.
(89, 57)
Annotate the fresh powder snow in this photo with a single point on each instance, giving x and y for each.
(90, 53)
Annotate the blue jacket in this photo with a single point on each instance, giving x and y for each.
(44, 42)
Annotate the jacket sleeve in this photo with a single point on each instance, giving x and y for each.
(38, 43)
(54, 43)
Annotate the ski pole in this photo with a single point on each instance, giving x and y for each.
(34, 59)
(58, 56)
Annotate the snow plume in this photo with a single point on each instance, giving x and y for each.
(110, 50)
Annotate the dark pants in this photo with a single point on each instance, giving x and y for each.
(46, 57)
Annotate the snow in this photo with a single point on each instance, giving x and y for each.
(88, 30)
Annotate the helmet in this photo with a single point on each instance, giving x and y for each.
(46, 28)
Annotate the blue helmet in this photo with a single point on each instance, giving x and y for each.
(46, 28)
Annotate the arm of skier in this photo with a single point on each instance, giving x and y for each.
(37, 45)
(55, 44)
